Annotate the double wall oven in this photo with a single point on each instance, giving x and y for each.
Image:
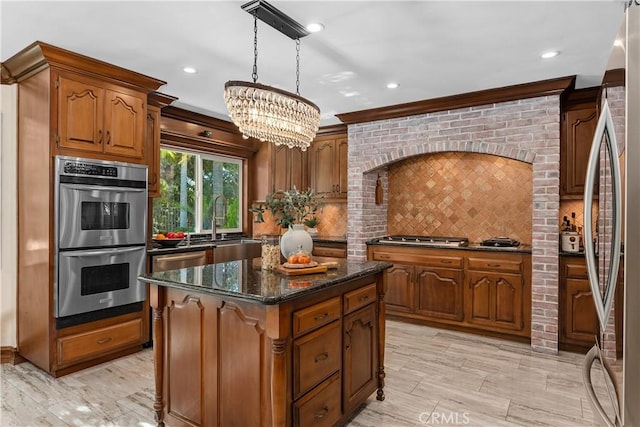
(100, 238)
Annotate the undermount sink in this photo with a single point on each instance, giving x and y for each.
(235, 250)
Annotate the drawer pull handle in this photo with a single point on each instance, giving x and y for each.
(103, 340)
(321, 357)
(321, 317)
(383, 256)
(321, 413)
(446, 261)
(363, 298)
(493, 265)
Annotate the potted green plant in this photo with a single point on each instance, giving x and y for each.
(311, 224)
(290, 209)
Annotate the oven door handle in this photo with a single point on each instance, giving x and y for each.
(102, 252)
(86, 187)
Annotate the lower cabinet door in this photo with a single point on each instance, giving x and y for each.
(439, 293)
(321, 406)
(580, 321)
(360, 357)
(399, 293)
(494, 300)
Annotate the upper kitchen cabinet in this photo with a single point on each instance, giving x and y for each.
(95, 109)
(156, 101)
(278, 168)
(96, 117)
(578, 124)
(328, 157)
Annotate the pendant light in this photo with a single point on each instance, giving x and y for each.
(265, 112)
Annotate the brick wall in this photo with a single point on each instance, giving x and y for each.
(526, 130)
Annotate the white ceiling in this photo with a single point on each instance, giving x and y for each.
(432, 49)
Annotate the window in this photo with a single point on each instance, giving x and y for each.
(190, 183)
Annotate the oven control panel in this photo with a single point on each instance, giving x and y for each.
(79, 168)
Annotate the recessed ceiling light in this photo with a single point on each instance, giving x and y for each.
(189, 70)
(392, 85)
(315, 27)
(550, 54)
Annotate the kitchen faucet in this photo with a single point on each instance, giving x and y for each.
(215, 218)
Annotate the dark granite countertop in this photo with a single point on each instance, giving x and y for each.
(522, 249)
(243, 279)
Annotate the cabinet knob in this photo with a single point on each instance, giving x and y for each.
(321, 357)
(321, 413)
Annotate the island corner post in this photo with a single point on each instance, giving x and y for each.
(311, 359)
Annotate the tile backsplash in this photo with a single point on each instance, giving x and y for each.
(333, 222)
(461, 194)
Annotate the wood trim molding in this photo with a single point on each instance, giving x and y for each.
(39, 55)
(10, 355)
(158, 99)
(332, 130)
(199, 119)
(614, 77)
(470, 99)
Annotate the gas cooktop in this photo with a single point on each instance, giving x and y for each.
(425, 240)
(500, 242)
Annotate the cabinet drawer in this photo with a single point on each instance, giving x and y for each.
(576, 270)
(486, 264)
(321, 407)
(315, 316)
(433, 261)
(329, 252)
(98, 342)
(315, 357)
(359, 298)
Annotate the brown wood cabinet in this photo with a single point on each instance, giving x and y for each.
(69, 105)
(278, 168)
(328, 157)
(330, 249)
(310, 361)
(579, 323)
(156, 101)
(96, 117)
(578, 318)
(475, 289)
(578, 124)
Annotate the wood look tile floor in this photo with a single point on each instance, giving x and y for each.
(434, 377)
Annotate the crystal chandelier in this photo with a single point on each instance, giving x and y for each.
(267, 113)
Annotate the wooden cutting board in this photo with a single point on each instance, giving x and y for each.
(300, 271)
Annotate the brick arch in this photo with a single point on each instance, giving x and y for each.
(527, 130)
(494, 149)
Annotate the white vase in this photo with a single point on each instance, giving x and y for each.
(295, 238)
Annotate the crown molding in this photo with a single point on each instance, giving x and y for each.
(39, 56)
(614, 78)
(470, 99)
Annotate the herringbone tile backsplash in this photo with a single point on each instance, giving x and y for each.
(461, 194)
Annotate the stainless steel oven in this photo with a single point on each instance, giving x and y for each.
(95, 279)
(100, 235)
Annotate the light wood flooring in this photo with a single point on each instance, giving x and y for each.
(434, 377)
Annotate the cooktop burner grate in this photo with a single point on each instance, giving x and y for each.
(501, 242)
(426, 240)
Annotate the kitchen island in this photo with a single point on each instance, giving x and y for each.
(237, 346)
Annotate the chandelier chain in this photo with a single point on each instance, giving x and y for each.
(255, 47)
(297, 66)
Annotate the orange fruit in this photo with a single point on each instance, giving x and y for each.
(160, 236)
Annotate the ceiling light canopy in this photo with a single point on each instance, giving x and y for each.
(267, 113)
(392, 85)
(189, 70)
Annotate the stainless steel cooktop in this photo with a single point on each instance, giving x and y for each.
(425, 240)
